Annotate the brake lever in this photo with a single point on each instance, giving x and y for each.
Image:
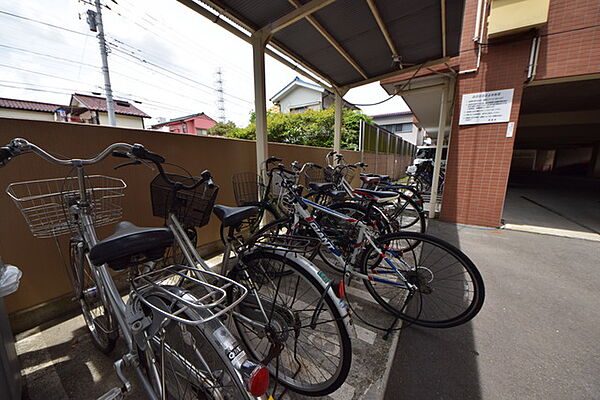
(134, 162)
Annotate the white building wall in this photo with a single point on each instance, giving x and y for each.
(25, 114)
(123, 121)
(301, 97)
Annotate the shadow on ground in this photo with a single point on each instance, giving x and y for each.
(435, 363)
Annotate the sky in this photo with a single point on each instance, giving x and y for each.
(162, 55)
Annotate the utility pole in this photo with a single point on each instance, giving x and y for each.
(220, 99)
(94, 20)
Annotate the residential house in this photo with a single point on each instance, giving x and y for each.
(82, 108)
(25, 109)
(195, 124)
(401, 124)
(93, 110)
(298, 96)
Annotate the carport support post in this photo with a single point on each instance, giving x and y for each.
(259, 42)
(438, 152)
(337, 126)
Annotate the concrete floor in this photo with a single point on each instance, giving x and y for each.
(59, 361)
(554, 202)
(537, 336)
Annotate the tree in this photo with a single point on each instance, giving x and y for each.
(310, 128)
(223, 129)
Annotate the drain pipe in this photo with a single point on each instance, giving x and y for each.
(533, 58)
(479, 28)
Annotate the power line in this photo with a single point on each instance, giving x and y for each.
(42, 23)
(38, 73)
(49, 56)
(162, 25)
(146, 61)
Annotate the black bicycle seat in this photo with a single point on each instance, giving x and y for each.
(321, 187)
(232, 216)
(131, 245)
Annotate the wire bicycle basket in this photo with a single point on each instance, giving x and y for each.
(245, 187)
(45, 203)
(192, 207)
(313, 174)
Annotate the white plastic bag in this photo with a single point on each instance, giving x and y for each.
(9, 279)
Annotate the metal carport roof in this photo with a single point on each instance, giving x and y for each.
(346, 43)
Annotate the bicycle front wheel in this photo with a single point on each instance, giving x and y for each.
(288, 307)
(95, 309)
(450, 290)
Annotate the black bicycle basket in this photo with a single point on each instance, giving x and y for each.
(192, 207)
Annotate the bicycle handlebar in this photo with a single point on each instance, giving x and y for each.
(19, 146)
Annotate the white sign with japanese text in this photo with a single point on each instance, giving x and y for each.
(486, 107)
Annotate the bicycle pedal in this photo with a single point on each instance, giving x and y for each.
(114, 393)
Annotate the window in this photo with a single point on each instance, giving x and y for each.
(184, 128)
(403, 127)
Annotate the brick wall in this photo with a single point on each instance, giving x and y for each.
(570, 41)
(479, 155)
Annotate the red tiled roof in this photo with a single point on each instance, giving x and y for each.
(99, 104)
(28, 105)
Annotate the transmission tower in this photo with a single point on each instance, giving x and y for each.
(220, 99)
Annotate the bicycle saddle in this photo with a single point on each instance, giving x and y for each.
(321, 187)
(232, 216)
(370, 179)
(131, 245)
(380, 196)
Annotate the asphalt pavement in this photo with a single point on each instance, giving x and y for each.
(537, 336)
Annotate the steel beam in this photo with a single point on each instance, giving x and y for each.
(382, 27)
(260, 100)
(332, 41)
(438, 152)
(296, 15)
(443, 23)
(337, 131)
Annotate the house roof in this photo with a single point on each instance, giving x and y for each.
(293, 84)
(97, 103)
(28, 105)
(205, 122)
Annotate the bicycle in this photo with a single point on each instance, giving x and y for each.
(176, 342)
(408, 273)
(267, 315)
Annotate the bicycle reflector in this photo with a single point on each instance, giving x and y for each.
(258, 382)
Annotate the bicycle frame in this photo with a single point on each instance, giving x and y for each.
(133, 332)
(300, 208)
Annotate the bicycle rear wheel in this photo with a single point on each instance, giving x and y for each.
(450, 290)
(191, 363)
(290, 307)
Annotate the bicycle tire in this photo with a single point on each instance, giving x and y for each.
(427, 278)
(406, 215)
(98, 317)
(215, 377)
(294, 366)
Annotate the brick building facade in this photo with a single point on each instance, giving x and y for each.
(479, 158)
